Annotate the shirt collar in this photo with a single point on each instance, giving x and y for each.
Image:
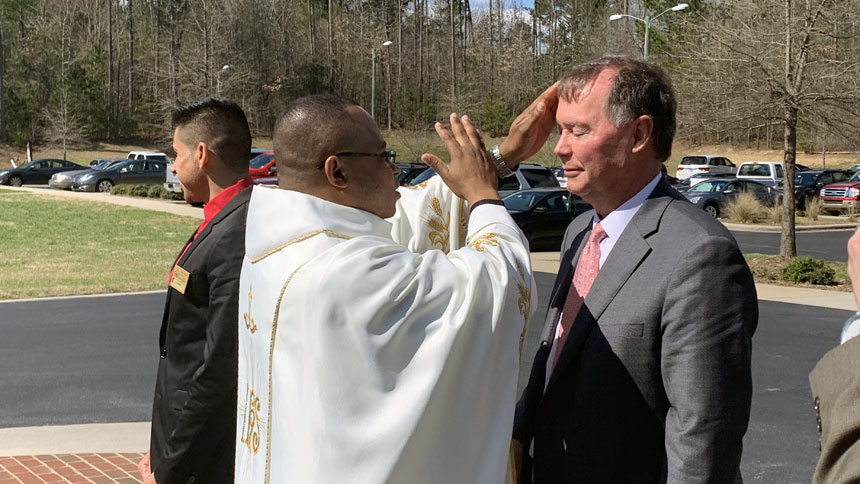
(617, 220)
(222, 199)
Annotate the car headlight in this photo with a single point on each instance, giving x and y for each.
(852, 193)
(87, 177)
(4, 173)
(694, 199)
(821, 193)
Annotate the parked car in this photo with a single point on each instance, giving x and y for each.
(526, 176)
(65, 179)
(807, 184)
(408, 171)
(131, 172)
(36, 172)
(559, 175)
(263, 165)
(147, 155)
(712, 195)
(695, 179)
(854, 168)
(842, 196)
(770, 173)
(543, 214)
(700, 164)
(171, 181)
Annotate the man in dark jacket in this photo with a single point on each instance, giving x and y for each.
(194, 409)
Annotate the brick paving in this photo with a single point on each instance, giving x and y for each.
(71, 468)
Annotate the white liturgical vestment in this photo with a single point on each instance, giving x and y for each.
(379, 351)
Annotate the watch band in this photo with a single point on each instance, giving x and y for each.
(501, 167)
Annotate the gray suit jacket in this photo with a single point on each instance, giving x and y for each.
(653, 384)
(835, 383)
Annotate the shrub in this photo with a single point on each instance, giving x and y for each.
(147, 191)
(745, 209)
(774, 213)
(807, 269)
(119, 189)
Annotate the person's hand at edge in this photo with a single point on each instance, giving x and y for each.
(471, 175)
(144, 467)
(531, 128)
(854, 264)
(519, 450)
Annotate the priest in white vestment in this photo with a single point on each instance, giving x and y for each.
(379, 330)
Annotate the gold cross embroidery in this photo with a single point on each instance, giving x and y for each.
(249, 321)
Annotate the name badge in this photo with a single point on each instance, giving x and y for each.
(179, 281)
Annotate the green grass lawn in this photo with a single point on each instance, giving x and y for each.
(54, 247)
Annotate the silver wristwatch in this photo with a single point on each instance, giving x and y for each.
(501, 167)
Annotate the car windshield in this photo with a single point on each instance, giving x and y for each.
(709, 186)
(103, 164)
(694, 160)
(805, 178)
(261, 160)
(520, 201)
(855, 177)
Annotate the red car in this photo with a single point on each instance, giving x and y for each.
(842, 196)
(263, 165)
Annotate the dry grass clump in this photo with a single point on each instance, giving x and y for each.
(813, 208)
(773, 213)
(744, 209)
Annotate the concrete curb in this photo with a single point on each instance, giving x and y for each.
(75, 439)
(798, 228)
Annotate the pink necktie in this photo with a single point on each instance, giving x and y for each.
(586, 270)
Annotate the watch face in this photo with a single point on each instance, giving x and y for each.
(851, 328)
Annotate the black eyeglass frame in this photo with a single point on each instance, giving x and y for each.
(388, 156)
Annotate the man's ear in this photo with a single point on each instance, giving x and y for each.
(333, 169)
(643, 128)
(202, 155)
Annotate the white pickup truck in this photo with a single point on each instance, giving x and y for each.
(768, 173)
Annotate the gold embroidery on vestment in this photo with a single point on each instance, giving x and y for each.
(297, 240)
(251, 421)
(439, 225)
(490, 238)
(249, 321)
(420, 185)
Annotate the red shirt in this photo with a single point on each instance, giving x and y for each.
(211, 209)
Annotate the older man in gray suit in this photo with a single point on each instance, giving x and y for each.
(643, 370)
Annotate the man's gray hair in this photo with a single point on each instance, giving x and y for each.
(639, 88)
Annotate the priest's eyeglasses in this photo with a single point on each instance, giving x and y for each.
(389, 157)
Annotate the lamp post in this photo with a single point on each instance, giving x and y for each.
(647, 20)
(373, 78)
(218, 78)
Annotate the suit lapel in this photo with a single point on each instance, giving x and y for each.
(232, 205)
(627, 254)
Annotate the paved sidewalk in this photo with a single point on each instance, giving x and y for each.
(71, 468)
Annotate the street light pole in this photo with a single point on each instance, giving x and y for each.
(647, 21)
(373, 78)
(218, 78)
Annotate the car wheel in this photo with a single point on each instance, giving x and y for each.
(104, 186)
(712, 210)
(16, 181)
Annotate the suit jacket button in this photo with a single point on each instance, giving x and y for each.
(564, 444)
(163, 354)
(817, 406)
